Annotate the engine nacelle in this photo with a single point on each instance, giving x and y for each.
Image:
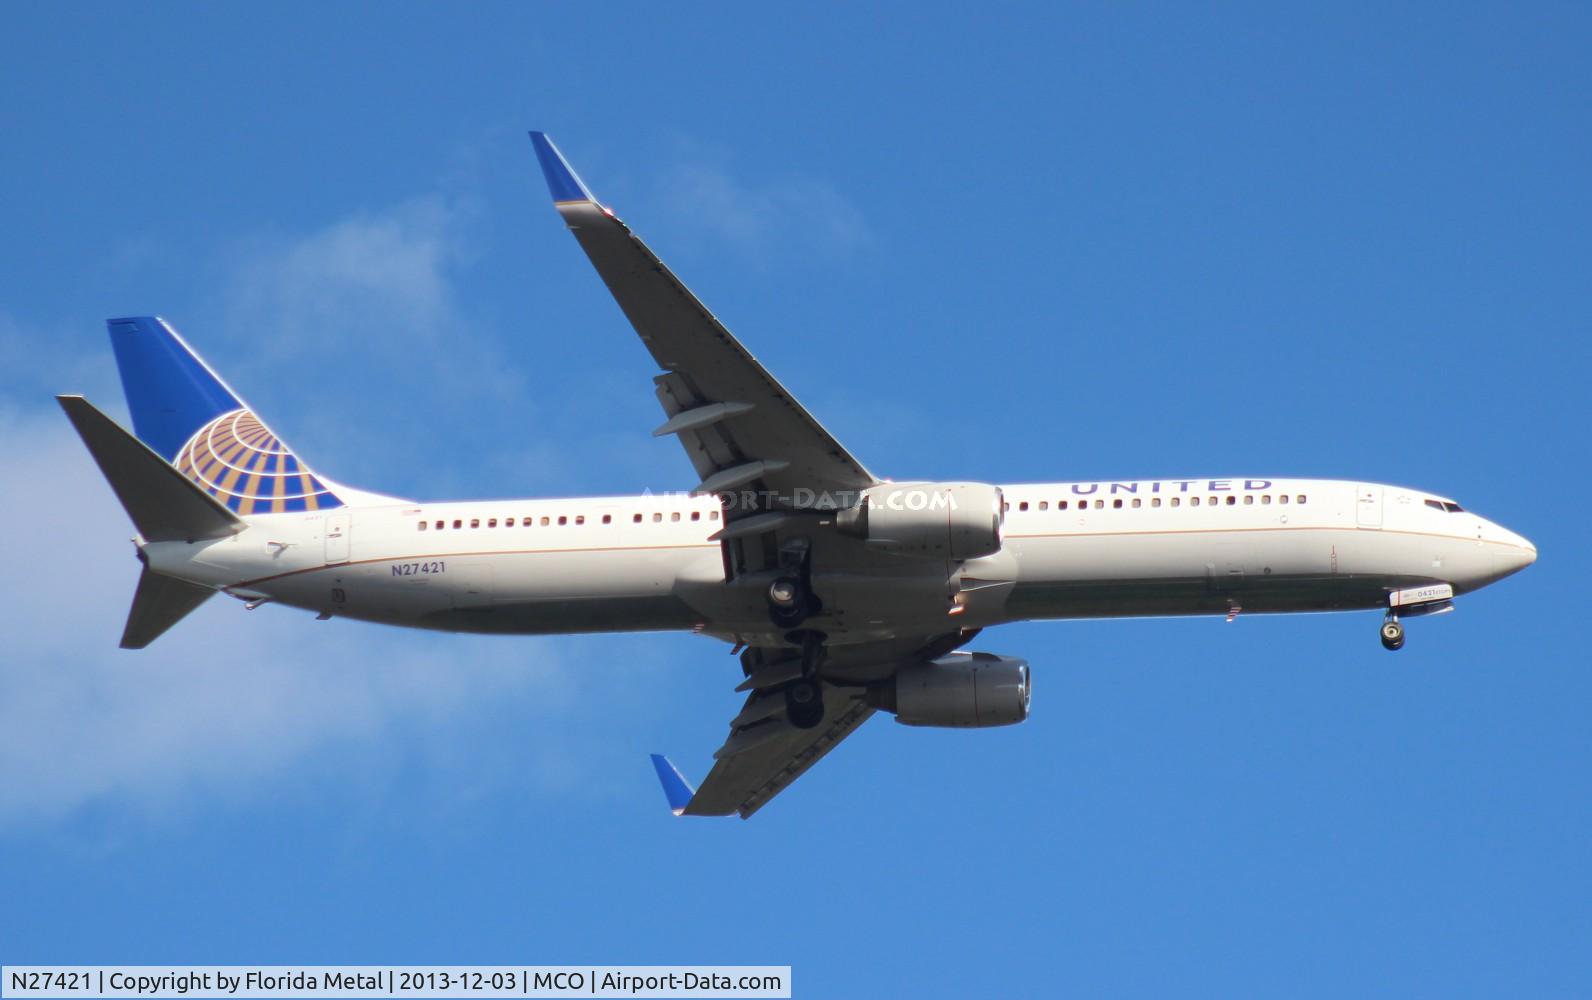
(961, 691)
(932, 520)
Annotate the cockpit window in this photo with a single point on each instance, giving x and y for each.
(1435, 504)
(1445, 505)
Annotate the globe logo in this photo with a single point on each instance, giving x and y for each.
(236, 459)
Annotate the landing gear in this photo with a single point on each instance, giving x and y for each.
(804, 696)
(791, 600)
(804, 702)
(1392, 633)
(787, 602)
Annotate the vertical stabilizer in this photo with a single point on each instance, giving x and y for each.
(184, 412)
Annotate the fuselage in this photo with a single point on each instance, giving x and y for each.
(1069, 550)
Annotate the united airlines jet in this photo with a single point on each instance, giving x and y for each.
(845, 593)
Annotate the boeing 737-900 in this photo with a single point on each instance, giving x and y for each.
(846, 593)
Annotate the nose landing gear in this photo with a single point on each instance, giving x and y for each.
(1392, 632)
(791, 600)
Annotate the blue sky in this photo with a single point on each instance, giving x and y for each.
(1035, 242)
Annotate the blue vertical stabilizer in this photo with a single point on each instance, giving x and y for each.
(187, 415)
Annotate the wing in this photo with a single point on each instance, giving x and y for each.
(764, 754)
(741, 429)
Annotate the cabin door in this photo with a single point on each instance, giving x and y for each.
(1368, 508)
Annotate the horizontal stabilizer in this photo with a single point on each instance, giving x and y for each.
(164, 505)
(159, 603)
(674, 784)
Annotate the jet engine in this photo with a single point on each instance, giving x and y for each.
(961, 691)
(933, 520)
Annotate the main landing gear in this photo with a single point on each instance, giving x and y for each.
(1392, 632)
(804, 696)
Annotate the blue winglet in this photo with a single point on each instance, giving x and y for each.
(674, 784)
(561, 179)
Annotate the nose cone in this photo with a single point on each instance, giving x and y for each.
(1512, 552)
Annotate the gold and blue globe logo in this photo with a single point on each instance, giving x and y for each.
(236, 459)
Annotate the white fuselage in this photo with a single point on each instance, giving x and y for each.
(1071, 550)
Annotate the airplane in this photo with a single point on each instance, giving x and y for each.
(844, 593)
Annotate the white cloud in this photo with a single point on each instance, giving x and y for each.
(223, 701)
(383, 272)
(233, 705)
(36, 364)
(773, 218)
(348, 324)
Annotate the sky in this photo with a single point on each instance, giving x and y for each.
(1039, 242)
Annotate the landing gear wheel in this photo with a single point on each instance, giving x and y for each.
(804, 702)
(791, 600)
(1392, 634)
(788, 601)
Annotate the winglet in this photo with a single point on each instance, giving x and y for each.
(674, 784)
(561, 179)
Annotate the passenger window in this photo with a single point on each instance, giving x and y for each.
(422, 526)
(1137, 502)
(458, 524)
(608, 519)
(696, 515)
(656, 518)
(1155, 501)
(1116, 504)
(508, 522)
(1249, 499)
(1099, 504)
(1283, 498)
(546, 520)
(580, 518)
(563, 520)
(1061, 505)
(1044, 505)
(492, 523)
(1300, 498)
(635, 519)
(1023, 505)
(1231, 500)
(440, 524)
(713, 515)
(1177, 501)
(1265, 500)
(1213, 501)
(1193, 501)
(675, 516)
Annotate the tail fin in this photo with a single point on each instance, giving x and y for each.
(184, 412)
(159, 603)
(163, 505)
